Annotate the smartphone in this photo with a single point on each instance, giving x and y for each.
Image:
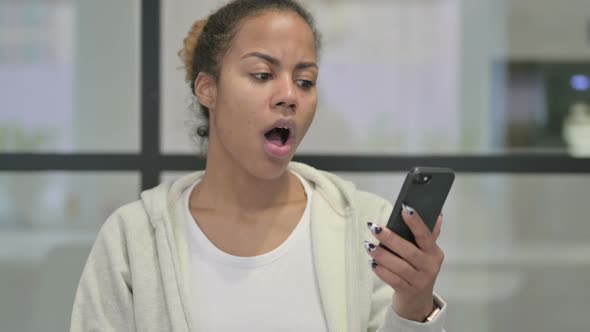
(425, 189)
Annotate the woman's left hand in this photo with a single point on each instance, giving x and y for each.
(413, 274)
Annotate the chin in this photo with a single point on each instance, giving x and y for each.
(270, 169)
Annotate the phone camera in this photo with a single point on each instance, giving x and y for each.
(422, 178)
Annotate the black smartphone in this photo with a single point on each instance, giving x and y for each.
(425, 189)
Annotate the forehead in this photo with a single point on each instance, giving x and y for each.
(283, 34)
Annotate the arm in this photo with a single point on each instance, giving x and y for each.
(104, 300)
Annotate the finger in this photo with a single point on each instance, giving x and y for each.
(393, 280)
(392, 263)
(422, 234)
(437, 228)
(404, 248)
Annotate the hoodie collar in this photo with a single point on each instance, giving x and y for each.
(160, 201)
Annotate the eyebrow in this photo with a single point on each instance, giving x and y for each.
(275, 62)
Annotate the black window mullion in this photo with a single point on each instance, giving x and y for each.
(150, 93)
(151, 165)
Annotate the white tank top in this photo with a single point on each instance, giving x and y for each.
(276, 291)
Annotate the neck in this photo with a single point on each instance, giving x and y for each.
(228, 186)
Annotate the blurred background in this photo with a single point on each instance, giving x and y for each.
(400, 79)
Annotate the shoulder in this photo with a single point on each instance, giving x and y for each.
(370, 200)
(371, 207)
(359, 199)
(341, 193)
(128, 223)
(131, 215)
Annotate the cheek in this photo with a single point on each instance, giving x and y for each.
(310, 111)
(240, 97)
(307, 124)
(237, 116)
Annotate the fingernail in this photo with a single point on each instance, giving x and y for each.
(370, 247)
(374, 228)
(372, 263)
(408, 210)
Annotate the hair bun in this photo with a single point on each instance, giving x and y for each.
(187, 53)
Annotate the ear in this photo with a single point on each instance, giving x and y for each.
(206, 90)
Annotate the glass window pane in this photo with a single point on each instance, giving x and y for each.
(178, 108)
(69, 73)
(48, 223)
(546, 76)
(433, 77)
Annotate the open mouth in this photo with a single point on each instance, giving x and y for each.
(278, 135)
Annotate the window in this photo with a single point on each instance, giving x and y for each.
(91, 98)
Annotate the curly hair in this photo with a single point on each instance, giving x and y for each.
(209, 39)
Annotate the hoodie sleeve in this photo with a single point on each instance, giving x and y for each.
(382, 313)
(394, 323)
(104, 299)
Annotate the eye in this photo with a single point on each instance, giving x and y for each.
(262, 76)
(306, 84)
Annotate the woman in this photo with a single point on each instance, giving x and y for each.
(257, 242)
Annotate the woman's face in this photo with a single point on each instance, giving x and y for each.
(266, 84)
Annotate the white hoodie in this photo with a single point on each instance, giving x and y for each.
(136, 277)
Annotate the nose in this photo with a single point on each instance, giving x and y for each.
(285, 94)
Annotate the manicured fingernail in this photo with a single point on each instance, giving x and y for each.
(408, 210)
(374, 228)
(370, 247)
(372, 263)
